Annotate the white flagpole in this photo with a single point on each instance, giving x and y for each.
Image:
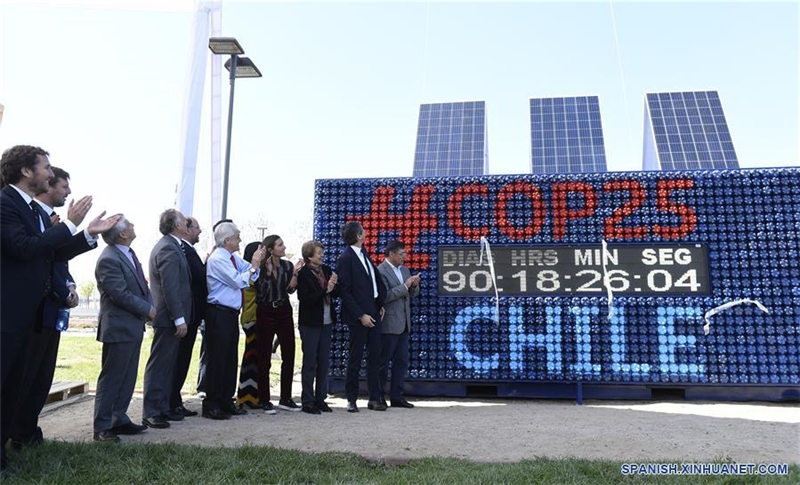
(192, 109)
(216, 118)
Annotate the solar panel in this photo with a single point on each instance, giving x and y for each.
(566, 135)
(451, 140)
(686, 131)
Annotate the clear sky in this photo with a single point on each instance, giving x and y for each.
(100, 85)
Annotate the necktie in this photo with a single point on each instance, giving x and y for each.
(241, 302)
(366, 262)
(139, 272)
(36, 216)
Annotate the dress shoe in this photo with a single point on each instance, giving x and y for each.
(35, 439)
(311, 410)
(183, 411)
(269, 408)
(376, 405)
(234, 410)
(323, 406)
(401, 403)
(215, 414)
(352, 407)
(156, 422)
(106, 436)
(172, 416)
(288, 405)
(129, 428)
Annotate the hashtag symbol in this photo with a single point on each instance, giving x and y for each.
(408, 226)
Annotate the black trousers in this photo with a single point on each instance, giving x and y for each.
(12, 363)
(394, 350)
(359, 337)
(37, 376)
(222, 337)
(182, 362)
(316, 362)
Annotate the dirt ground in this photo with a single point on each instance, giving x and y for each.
(490, 430)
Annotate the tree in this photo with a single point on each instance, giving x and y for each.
(86, 289)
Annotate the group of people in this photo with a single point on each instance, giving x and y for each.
(182, 296)
(36, 289)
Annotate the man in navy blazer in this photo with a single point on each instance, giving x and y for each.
(28, 249)
(362, 293)
(42, 353)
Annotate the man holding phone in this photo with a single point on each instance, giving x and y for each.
(400, 288)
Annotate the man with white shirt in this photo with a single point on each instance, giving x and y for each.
(171, 286)
(396, 325)
(27, 251)
(227, 275)
(362, 293)
(42, 351)
(125, 304)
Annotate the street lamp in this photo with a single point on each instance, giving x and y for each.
(238, 67)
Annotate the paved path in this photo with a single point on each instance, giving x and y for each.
(490, 430)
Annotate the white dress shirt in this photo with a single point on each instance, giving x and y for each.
(368, 268)
(397, 271)
(226, 282)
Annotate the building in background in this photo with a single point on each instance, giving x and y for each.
(686, 131)
(451, 140)
(566, 135)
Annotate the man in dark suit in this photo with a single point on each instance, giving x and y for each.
(27, 251)
(189, 238)
(362, 293)
(396, 325)
(125, 304)
(42, 351)
(171, 285)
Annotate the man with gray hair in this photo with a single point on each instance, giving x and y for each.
(125, 304)
(227, 275)
(171, 283)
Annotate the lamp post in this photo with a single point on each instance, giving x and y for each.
(238, 67)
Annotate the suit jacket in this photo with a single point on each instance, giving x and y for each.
(311, 295)
(170, 283)
(355, 288)
(26, 260)
(398, 300)
(124, 305)
(199, 285)
(57, 298)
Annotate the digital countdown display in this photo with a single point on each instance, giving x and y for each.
(573, 270)
(684, 251)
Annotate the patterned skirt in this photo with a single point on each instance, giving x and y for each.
(248, 374)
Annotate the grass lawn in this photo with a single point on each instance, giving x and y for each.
(103, 463)
(79, 359)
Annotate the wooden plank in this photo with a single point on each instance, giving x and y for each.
(62, 390)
